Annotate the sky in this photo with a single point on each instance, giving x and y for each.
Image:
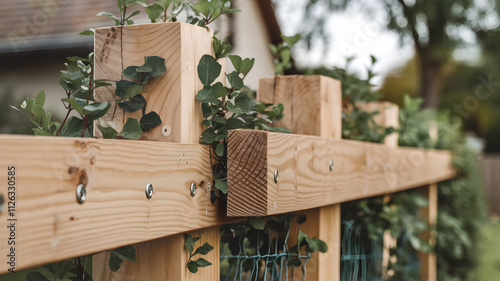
(352, 33)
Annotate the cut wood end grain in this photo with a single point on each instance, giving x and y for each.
(247, 173)
(360, 170)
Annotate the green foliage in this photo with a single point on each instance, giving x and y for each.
(78, 84)
(208, 11)
(282, 53)
(71, 269)
(460, 200)
(158, 11)
(228, 108)
(357, 123)
(123, 6)
(119, 255)
(244, 244)
(461, 206)
(204, 249)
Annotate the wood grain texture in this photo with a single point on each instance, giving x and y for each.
(388, 117)
(52, 225)
(313, 107)
(428, 270)
(163, 259)
(360, 170)
(311, 103)
(172, 95)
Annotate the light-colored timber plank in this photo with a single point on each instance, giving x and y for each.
(172, 95)
(388, 117)
(313, 106)
(311, 103)
(163, 259)
(428, 270)
(360, 170)
(52, 225)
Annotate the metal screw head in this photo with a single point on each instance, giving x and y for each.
(1, 202)
(149, 191)
(81, 193)
(331, 165)
(193, 189)
(276, 176)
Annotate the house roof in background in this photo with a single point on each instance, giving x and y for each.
(28, 25)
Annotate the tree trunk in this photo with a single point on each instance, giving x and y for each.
(430, 78)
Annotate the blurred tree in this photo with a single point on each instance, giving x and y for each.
(436, 28)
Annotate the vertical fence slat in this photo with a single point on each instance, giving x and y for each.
(313, 106)
(172, 96)
(428, 269)
(388, 117)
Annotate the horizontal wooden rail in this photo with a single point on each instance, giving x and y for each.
(305, 180)
(51, 225)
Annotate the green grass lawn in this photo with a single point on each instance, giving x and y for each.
(489, 265)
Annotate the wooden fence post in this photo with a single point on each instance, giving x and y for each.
(388, 117)
(428, 270)
(172, 96)
(313, 106)
(428, 266)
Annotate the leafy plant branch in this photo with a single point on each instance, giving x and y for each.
(204, 249)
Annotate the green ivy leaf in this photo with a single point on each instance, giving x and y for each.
(134, 104)
(291, 40)
(236, 61)
(132, 73)
(73, 127)
(133, 90)
(239, 105)
(246, 66)
(122, 87)
(235, 80)
(209, 110)
(202, 7)
(157, 65)
(131, 130)
(207, 95)
(257, 223)
(40, 98)
(204, 249)
(235, 123)
(201, 262)
(154, 11)
(107, 132)
(208, 70)
(118, 256)
(96, 110)
(222, 186)
(190, 240)
(76, 103)
(220, 149)
(192, 266)
(87, 32)
(150, 121)
(208, 136)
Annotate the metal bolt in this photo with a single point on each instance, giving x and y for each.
(81, 193)
(193, 189)
(276, 176)
(149, 191)
(331, 165)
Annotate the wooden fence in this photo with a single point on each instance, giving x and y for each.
(317, 170)
(491, 168)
